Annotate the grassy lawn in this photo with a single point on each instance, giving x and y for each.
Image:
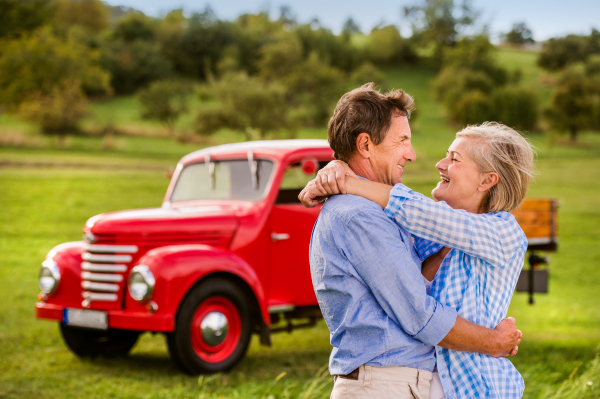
(46, 205)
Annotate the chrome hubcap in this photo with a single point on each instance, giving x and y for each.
(214, 328)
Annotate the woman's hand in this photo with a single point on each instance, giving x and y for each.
(330, 180)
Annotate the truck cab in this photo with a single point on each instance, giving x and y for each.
(225, 256)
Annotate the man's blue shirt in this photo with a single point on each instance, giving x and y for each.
(367, 278)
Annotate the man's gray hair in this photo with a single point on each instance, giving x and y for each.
(500, 149)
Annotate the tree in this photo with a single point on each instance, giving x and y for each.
(57, 111)
(519, 34)
(280, 57)
(18, 17)
(90, 14)
(134, 26)
(245, 104)
(202, 45)
(386, 46)
(134, 65)
(39, 61)
(441, 21)
(574, 102)
(165, 101)
(313, 90)
(334, 50)
(287, 17)
(476, 54)
(350, 27)
(558, 53)
(473, 88)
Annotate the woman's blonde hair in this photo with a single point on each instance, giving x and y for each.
(500, 149)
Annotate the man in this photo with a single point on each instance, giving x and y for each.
(366, 272)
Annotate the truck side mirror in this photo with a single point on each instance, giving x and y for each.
(309, 165)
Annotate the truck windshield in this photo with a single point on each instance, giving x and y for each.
(231, 179)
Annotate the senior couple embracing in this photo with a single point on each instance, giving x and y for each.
(415, 292)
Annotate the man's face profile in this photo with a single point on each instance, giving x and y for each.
(389, 158)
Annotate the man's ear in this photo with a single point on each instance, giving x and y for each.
(488, 181)
(364, 145)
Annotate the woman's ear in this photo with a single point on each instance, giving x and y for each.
(363, 145)
(488, 181)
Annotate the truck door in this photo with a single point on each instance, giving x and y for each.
(291, 226)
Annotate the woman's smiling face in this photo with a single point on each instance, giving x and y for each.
(462, 185)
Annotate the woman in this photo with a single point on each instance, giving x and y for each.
(485, 175)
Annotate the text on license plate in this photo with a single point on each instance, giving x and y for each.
(86, 318)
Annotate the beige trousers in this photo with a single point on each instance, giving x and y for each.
(384, 383)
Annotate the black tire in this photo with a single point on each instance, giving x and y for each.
(110, 344)
(187, 346)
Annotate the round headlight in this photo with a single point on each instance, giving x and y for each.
(141, 283)
(49, 277)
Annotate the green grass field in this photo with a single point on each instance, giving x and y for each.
(47, 204)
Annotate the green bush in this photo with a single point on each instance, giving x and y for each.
(165, 101)
(452, 82)
(366, 73)
(472, 107)
(59, 111)
(515, 107)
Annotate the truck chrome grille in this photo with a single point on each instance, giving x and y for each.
(102, 271)
(103, 268)
(111, 249)
(106, 258)
(99, 287)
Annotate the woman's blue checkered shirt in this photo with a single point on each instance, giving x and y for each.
(477, 278)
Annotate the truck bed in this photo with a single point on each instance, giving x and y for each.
(538, 219)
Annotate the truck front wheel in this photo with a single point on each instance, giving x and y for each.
(91, 343)
(212, 329)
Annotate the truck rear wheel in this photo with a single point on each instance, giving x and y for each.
(212, 330)
(91, 343)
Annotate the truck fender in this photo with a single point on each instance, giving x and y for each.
(177, 268)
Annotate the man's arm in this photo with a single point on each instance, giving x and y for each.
(470, 337)
(374, 247)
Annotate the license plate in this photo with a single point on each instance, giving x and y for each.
(86, 318)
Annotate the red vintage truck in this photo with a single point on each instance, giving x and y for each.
(225, 256)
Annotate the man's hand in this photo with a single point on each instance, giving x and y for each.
(509, 338)
(329, 181)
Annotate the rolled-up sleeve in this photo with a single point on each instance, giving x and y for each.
(378, 253)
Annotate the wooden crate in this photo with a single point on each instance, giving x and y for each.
(538, 219)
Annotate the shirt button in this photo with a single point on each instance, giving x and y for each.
(439, 352)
